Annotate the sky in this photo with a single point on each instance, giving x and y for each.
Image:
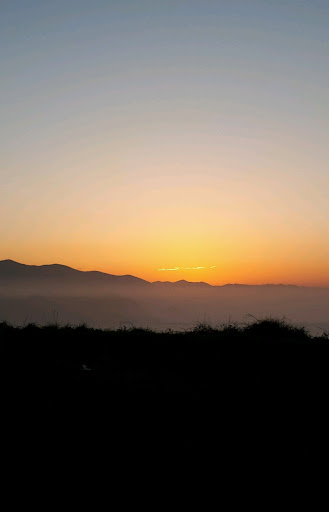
(138, 136)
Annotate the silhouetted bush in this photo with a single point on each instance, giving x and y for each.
(77, 368)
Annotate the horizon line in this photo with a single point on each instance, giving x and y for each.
(164, 282)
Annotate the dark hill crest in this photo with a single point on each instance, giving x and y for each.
(11, 271)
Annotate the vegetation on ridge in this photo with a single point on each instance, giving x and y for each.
(73, 366)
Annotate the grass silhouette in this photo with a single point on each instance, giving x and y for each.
(136, 387)
(65, 369)
(135, 344)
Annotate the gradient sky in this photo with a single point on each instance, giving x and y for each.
(145, 135)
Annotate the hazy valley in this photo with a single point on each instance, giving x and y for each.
(58, 294)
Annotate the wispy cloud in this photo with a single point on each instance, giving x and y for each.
(182, 268)
(165, 269)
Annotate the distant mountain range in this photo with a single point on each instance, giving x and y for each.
(13, 273)
(11, 270)
(47, 293)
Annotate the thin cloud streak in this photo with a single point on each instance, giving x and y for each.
(167, 269)
(182, 268)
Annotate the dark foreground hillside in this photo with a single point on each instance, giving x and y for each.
(136, 388)
(74, 368)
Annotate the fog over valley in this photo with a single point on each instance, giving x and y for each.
(58, 294)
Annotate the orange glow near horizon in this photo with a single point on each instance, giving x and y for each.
(229, 268)
(235, 231)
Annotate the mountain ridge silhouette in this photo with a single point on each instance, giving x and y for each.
(10, 269)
